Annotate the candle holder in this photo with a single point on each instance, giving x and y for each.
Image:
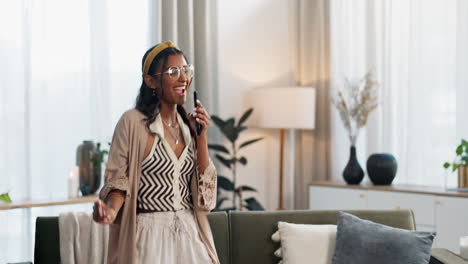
(464, 247)
(73, 182)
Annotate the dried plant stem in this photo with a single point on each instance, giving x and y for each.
(355, 104)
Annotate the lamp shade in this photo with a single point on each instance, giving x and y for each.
(283, 107)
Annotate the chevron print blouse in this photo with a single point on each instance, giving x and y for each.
(165, 179)
(165, 185)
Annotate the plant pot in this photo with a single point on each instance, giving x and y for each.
(463, 176)
(381, 168)
(353, 173)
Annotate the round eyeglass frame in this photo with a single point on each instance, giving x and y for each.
(188, 70)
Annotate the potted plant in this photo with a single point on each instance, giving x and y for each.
(5, 197)
(229, 157)
(460, 163)
(99, 155)
(354, 105)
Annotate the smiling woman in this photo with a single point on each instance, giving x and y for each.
(164, 74)
(160, 182)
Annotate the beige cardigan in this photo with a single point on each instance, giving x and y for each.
(123, 173)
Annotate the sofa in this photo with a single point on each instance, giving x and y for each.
(245, 237)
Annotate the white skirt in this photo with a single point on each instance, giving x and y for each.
(169, 238)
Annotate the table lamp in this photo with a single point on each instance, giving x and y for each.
(283, 108)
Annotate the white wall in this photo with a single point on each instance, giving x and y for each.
(255, 50)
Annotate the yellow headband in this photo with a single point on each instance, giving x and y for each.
(149, 59)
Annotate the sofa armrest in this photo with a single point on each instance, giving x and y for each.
(445, 256)
(47, 242)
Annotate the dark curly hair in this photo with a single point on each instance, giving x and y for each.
(146, 102)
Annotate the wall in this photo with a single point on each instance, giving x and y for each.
(462, 68)
(255, 49)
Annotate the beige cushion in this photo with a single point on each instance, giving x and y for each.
(301, 243)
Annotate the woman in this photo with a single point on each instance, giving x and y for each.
(160, 182)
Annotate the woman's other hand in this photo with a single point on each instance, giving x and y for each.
(102, 213)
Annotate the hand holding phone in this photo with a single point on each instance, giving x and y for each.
(195, 98)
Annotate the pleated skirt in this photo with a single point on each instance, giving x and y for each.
(169, 238)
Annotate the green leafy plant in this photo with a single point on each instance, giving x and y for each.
(99, 155)
(230, 158)
(5, 197)
(461, 158)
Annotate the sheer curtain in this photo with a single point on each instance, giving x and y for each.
(415, 50)
(69, 69)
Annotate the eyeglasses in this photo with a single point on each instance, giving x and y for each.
(174, 71)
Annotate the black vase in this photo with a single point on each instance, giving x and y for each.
(382, 168)
(353, 173)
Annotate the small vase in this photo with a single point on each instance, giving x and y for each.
(89, 167)
(381, 168)
(353, 173)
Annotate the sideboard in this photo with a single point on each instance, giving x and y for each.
(435, 209)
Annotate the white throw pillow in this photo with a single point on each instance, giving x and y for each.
(305, 243)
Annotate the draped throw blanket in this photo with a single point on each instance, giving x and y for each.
(82, 240)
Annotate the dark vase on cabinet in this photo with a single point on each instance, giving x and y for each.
(381, 168)
(353, 173)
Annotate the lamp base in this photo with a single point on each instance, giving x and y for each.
(280, 187)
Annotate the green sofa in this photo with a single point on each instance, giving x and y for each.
(245, 237)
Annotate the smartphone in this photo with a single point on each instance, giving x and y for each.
(195, 98)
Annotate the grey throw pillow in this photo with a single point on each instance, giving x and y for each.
(361, 241)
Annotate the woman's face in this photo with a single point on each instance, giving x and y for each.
(174, 91)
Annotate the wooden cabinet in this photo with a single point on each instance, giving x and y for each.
(434, 209)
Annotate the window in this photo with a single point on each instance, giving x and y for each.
(416, 51)
(69, 70)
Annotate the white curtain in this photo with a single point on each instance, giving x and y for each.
(417, 50)
(69, 69)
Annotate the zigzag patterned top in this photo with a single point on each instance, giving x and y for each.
(165, 183)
